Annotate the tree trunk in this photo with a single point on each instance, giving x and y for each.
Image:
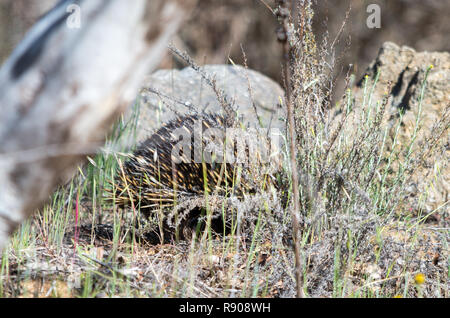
(65, 84)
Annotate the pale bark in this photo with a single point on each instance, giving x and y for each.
(62, 88)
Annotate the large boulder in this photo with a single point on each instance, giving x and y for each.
(168, 90)
(402, 71)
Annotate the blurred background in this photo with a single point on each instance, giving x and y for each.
(216, 30)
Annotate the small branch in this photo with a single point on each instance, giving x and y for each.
(283, 14)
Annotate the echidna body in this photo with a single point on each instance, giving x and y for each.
(154, 178)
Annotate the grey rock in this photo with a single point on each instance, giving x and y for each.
(405, 69)
(168, 91)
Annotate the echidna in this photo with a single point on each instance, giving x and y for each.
(182, 162)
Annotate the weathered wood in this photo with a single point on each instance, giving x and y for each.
(63, 87)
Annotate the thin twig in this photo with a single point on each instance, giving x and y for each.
(224, 101)
(250, 91)
(283, 14)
